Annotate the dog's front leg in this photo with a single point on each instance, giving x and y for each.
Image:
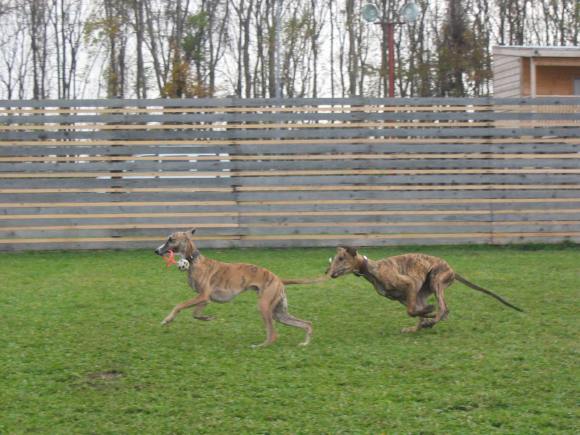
(200, 299)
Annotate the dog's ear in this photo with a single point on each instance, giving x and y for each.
(350, 250)
(193, 230)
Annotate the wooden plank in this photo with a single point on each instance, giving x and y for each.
(292, 173)
(286, 214)
(235, 243)
(397, 181)
(189, 142)
(79, 159)
(289, 193)
(295, 222)
(295, 188)
(281, 134)
(311, 230)
(574, 62)
(438, 227)
(366, 242)
(420, 236)
(312, 114)
(252, 102)
(243, 212)
(337, 109)
(241, 167)
(300, 201)
(440, 124)
(109, 152)
(273, 226)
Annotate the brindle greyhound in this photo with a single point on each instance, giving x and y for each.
(409, 279)
(221, 282)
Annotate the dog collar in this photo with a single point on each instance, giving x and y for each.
(193, 256)
(364, 267)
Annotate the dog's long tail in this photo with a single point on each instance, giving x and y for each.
(306, 281)
(487, 292)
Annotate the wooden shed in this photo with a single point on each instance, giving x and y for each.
(536, 71)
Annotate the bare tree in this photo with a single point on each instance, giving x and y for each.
(68, 31)
(14, 57)
(137, 23)
(38, 21)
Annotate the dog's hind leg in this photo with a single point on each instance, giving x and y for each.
(282, 315)
(265, 307)
(198, 309)
(426, 319)
(415, 300)
(424, 323)
(410, 329)
(441, 278)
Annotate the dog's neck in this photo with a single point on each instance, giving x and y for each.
(193, 256)
(363, 267)
(191, 253)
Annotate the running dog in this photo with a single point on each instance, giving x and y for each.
(215, 281)
(409, 279)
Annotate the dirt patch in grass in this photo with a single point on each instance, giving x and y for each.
(104, 377)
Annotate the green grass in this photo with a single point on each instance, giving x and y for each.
(68, 317)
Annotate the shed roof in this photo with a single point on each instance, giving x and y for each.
(536, 51)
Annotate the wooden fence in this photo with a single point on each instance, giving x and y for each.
(296, 172)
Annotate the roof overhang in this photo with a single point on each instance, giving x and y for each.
(519, 51)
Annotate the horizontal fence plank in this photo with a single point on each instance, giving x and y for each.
(286, 143)
(306, 203)
(294, 126)
(563, 213)
(425, 227)
(167, 152)
(348, 115)
(396, 181)
(471, 190)
(321, 176)
(253, 102)
(295, 193)
(328, 237)
(83, 159)
(226, 166)
(181, 220)
(120, 243)
(281, 134)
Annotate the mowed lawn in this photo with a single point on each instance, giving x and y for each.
(82, 349)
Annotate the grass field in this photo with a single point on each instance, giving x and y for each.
(82, 349)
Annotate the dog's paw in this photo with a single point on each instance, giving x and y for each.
(166, 321)
(428, 323)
